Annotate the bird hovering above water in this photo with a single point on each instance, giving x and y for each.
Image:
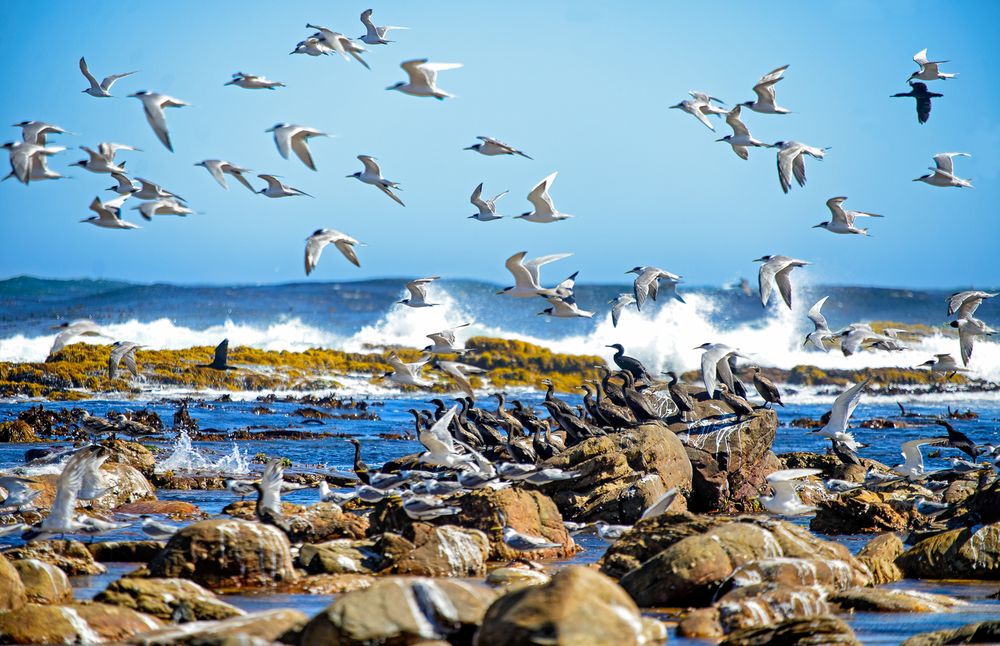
(792, 161)
(323, 237)
(919, 92)
(646, 284)
(372, 175)
(777, 270)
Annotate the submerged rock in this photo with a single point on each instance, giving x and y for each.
(72, 557)
(965, 553)
(817, 631)
(578, 606)
(43, 582)
(162, 597)
(986, 632)
(249, 630)
(402, 610)
(226, 553)
(622, 474)
(75, 623)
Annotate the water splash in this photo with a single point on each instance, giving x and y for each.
(184, 457)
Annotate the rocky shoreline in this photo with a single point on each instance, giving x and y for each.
(722, 569)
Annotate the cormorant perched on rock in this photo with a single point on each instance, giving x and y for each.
(739, 405)
(625, 362)
(959, 440)
(507, 421)
(766, 388)
(636, 401)
(919, 92)
(678, 393)
(221, 360)
(360, 468)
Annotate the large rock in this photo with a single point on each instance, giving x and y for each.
(176, 509)
(880, 554)
(402, 610)
(126, 484)
(827, 574)
(444, 551)
(12, 595)
(72, 557)
(133, 454)
(75, 623)
(342, 556)
(43, 582)
(884, 600)
(966, 553)
(986, 632)
(529, 512)
(577, 607)
(161, 598)
(683, 560)
(766, 604)
(326, 521)
(731, 458)
(622, 474)
(816, 631)
(249, 630)
(125, 551)
(226, 553)
(860, 512)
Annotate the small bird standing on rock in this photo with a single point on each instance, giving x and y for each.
(766, 388)
(739, 405)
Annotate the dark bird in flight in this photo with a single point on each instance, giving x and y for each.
(221, 360)
(919, 92)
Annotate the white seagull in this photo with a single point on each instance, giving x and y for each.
(968, 330)
(219, 168)
(619, 303)
(943, 173)
(777, 270)
(440, 444)
(290, 137)
(766, 102)
(276, 188)
(700, 106)
(964, 304)
(792, 161)
(786, 501)
(564, 307)
(945, 363)
(928, 69)
(124, 185)
(524, 542)
(109, 214)
(321, 238)
(162, 206)
(840, 415)
(526, 277)
(913, 459)
(156, 530)
(372, 175)
(36, 132)
(418, 292)
(423, 78)
(102, 89)
(821, 331)
(70, 330)
(491, 147)
(23, 157)
(153, 104)
(149, 190)
(98, 162)
(375, 35)
(61, 518)
(311, 47)
(646, 284)
(122, 350)
(253, 82)
(445, 341)
(843, 220)
(715, 366)
(487, 208)
(545, 210)
(741, 137)
(339, 43)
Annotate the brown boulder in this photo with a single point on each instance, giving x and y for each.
(17, 431)
(125, 551)
(883, 600)
(445, 551)
(43, 582)
(621, 474)
(161, 597)
(816, 631)
(326, 521)
(766, 604)
(12, 594)
(955, 554)
(72, 557)
(133, 454)
(820, 573)
(224, 553)
(248, 630)
(879, 555)
(342, 556)
(75, 623)
(176, 509)
(701, 623)
(577, 607)
(986, 632)
(859, 512)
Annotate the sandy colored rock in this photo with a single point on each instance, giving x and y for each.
(255, 628)
(817, 631)
(830, 574)
(859, 512)
(401, 610)
(12, 594)
(161, 597)
(883, 600)
(133, 454)
(126, 551)
(75, 623)
(702, 623)
(445, 551)
(880, 554)
(766, 604)
(43, 582)
(225, 553)
(986, 632)
(326, 521)
(955, 554)
(72, 557)
(621, 475)
(342, 556)
(578, 607)
(176, 509)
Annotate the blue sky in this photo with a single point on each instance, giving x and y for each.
(581, 86)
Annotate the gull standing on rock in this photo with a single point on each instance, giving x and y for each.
(487, 208)
(840, 415)
(524, 542)
(843, 220)
(253, 82)
(699, 106)
(109, 214)
(372, 175)
(339, 43)
(647, 282)
(375, 35)
(943, 173)
(290, 137)
(545, 209)
(321, 238)
(822, 329)
(423, 78)
(766, 102)
(777, 270)
(276, 188)
(492, 147)
(418, 292)
(792, 161)
(153, 104)
(928, 69)
(219, 168)
(102, 89)
(741, 137)
(527, 282)
(785, 500)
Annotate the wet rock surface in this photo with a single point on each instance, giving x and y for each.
(253, 629)
(162, 598)
(75, 623)
(817, 631)
(986, 632)
(43, 582)
(72, 557)
(971, 553)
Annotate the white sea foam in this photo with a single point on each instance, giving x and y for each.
(663, 337)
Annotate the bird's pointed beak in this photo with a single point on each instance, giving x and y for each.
(469, 148)
(816, 226)
(721, 139)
